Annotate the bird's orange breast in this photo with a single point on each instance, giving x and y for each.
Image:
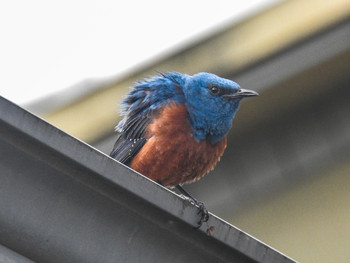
(171, 155)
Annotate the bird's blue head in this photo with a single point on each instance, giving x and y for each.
(212, 103)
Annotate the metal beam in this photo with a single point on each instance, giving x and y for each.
(63, 201)
(10, 256)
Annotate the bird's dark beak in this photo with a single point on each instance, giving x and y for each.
(247, 93)
(241, 93)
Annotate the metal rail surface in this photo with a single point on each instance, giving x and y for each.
(63, 201)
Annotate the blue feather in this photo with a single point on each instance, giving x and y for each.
(210, 115)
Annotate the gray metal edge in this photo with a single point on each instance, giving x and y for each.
(9, 256)
(140, 186)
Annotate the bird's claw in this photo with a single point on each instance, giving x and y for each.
(203, 211)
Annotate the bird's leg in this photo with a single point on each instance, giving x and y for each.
(202, 209)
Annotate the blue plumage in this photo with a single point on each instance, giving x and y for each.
(149, 95)
(210, 114)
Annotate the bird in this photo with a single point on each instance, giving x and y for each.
(175, 125)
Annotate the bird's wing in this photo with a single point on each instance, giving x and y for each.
(130, 140)
(139, 107)
(138, 110)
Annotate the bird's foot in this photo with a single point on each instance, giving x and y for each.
(203, 211)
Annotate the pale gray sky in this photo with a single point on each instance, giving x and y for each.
(47, 46)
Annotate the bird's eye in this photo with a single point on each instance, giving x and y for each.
(214, 89)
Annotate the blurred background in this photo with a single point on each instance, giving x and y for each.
(285, 176)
